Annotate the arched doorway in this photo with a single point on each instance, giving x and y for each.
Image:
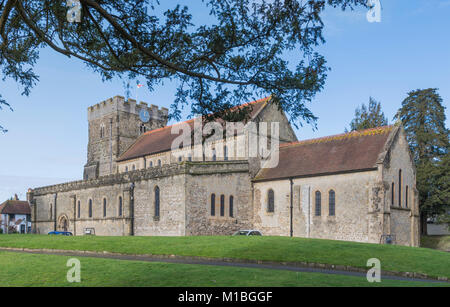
(63, 223)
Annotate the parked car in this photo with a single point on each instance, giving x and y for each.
(60, 233)
(248, 233)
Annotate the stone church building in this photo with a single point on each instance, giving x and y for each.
(358, 186)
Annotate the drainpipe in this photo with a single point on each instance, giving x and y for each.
(54, 213)
(132, 208)
(292, 206)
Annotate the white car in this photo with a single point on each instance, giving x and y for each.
(247, 233)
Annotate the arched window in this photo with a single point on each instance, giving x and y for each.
(126, 169)
(213, 204)
(151, 163)
(157, 201)
(104, 207)
(270, 201)
(222, 205)
(90, 208)
(214, 157)
(225, 153)
(79, 209)
(318, 204)
(120, 206)
(142, 129)
(159, 162)
(190, 157)
(331, 203)
(400, 188)
(133, 167)
(231, 206)
(392, 194)
(180, 159)
(406, 197)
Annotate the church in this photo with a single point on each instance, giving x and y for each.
(144, 178)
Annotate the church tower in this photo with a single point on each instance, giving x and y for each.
(114, 124)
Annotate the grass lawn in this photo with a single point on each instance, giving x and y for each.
(436, 242)
(393, 258)
(19, 269)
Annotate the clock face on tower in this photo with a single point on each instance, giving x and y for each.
(144, 116)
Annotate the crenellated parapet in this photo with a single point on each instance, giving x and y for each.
(118, 103)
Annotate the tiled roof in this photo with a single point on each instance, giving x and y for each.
(160, 140)
(15, 207)
(354, 151)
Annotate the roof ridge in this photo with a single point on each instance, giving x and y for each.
(329, 138)
(192, 119)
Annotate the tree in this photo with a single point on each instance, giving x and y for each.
(423, 117)
(368, 117)
(216, 65)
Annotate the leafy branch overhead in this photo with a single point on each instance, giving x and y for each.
(237, 54)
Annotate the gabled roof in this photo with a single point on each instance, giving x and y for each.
(160, 140)
(15, 207)
(347, 152)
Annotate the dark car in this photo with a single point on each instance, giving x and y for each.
(60, 233)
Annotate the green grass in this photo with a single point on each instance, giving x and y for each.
(436, 242)
(20, 269)
(393, 258)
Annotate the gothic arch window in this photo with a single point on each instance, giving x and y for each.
(189, 157)
(392, 194)
(159, 162)
(126, 169)
(331, 203)
(180, 159)
(270, 201)
(104, 207)
(133, 167)
(142, 129)
(151, 163)
(400, 188)
(79, 209)
(318, 199)
(213, 204)
(120, 206)
(214, 157)
(222, 205)
(157, 201)
(90, 208)
(406, 197)
(231, 206)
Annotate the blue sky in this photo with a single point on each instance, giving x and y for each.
(407, 50)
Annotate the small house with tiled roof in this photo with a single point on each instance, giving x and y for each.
(15, 216)
(209, 176)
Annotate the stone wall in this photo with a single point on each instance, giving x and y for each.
(209, 178)
(352, 207)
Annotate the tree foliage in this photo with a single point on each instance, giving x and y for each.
(370, 116)
(237, 56)
(423, 117)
